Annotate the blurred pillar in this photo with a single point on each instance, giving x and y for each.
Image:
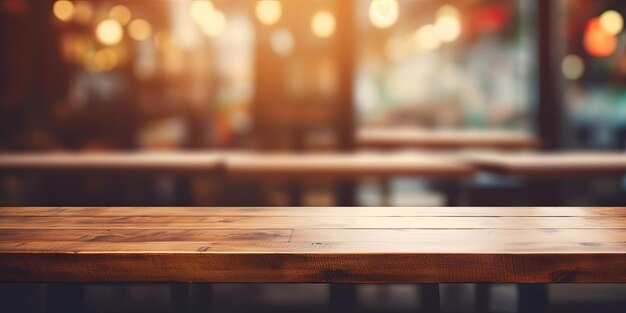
(345, 122)
(549, 110)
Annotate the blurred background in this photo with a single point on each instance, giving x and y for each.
(307, 75)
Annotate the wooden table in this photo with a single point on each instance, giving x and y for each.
(551, 165)
(446, 170)
(342, 165)
(321, 245)
(128, 162)
(384, 138)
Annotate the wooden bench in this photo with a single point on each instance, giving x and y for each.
(551, 165)
(241, 164)
(403, 138)
(341, 246)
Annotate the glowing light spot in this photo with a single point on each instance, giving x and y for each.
(121, 14)
(597, 41)
(383, 13)
(282, 42)
(448, 28)
(323, 24)
(426, 38)
(109, 32)
(612, 22)
(64, 10)
(213, 24)
(139, 30)
(200, 9)
(448, 10)
(573, 67)
(268, 12)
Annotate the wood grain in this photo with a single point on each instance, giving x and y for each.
(290, 222)
(358, 245)
(313, 211)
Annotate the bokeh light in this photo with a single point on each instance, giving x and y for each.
(282, 42)
(64, 10)
(139, 29)
(104, 60)
(109, 32)
(448, 10)
(612, 22)
(268, 12)
(121, 14)
(448, 28)
(597, 41)
(323, 24)
(213, 24)
(427, 38)
(201, 9)
(383, 13)
(573, 67)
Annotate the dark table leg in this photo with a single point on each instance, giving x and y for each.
(482, 298)
(180, 298)
(201, 298)
(430, 298)
(65, 298)
(533, 298)
(342, 298)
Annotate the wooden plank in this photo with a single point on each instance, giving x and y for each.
(35, 163)
(313, 211)
(551, 165)
(345, 165)
(390, 138)
(281, 222)
(324, 248)
(445, 236)
(144, 235)
(314, 267)
(331, 247)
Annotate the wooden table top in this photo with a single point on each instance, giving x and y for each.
(444, 139)
(190, 162)
(551, 165)
(347, 165)
(357, 245)
(242, 163)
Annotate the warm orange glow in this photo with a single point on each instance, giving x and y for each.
(448, 28)
(84, 12)
(200, 10)
(426, 38)
(282, 42)
(139, 29)
(384, 13)
(213, 24)
(268, 12)
(323, 24)
(103, 60)
(64, 10)
(109, 32)
(597, 41)
(121, 14)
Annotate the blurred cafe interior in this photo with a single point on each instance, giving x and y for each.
(315, 103)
